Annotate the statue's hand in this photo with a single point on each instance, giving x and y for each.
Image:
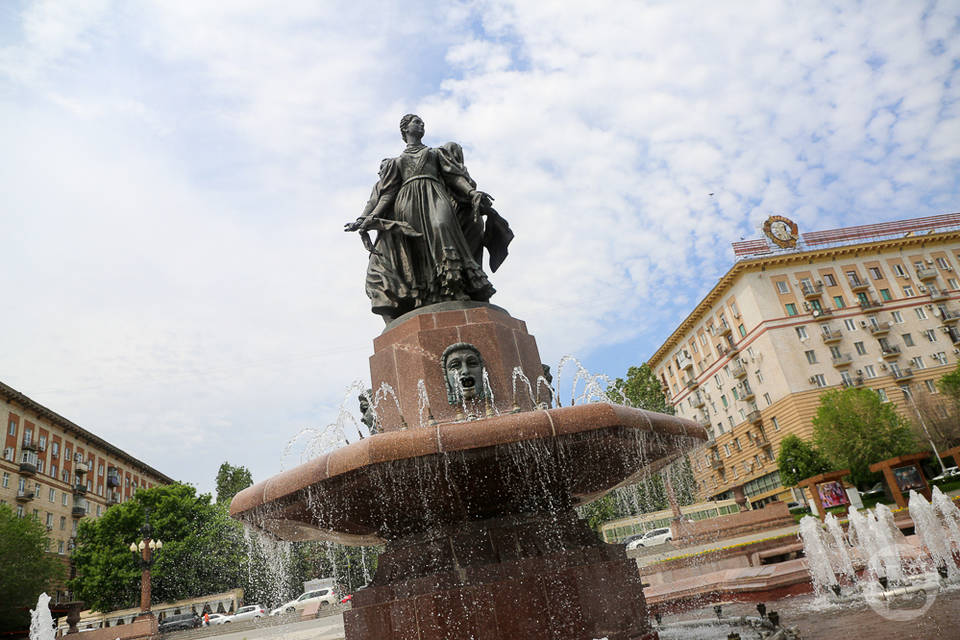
(481, 200)
(360, 224)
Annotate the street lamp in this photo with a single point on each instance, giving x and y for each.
(909, 395)
(143, 556)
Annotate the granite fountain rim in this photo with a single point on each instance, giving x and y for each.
(460, 436)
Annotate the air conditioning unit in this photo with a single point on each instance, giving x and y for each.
(949, 268)
(816, 313)
(956, 350)
(813, 380)
(929, 306)
(883, 366)
(863, 324)
(859, 372)
(922, 288)
(929, 261)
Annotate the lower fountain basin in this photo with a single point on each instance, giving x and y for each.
(401, 483)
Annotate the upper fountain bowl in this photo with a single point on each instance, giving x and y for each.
(400, 483)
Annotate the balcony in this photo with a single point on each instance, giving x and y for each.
(903, 374)
(880, 329)
(843, 361)
(698, 400)
(691, 383)
(937, 294)
(761, 440)
(24, 495)
(703, 421)
(715, 462)
(831, 335)
(746, 393)
(822, 314)
(80, 468)
(78, 512)
(890, 352)
(28, 468)
(113, 479)
(927, 273)
(949, 317)
(79, 489)
(29, 445)
(739, 371)
(720, 330)
(811, 291)
(855, 382)
(113, 498)
(754, 417)
(870, 303)
(856, 285)
(732, 349)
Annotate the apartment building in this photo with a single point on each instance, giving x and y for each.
(873, 306)
(59, 472)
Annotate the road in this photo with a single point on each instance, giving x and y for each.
(325, 628)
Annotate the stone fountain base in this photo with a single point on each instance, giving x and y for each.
(531, 577)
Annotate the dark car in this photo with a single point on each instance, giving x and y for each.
(179, 621)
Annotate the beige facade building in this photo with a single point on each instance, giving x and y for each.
(59, 472)
(875, 306)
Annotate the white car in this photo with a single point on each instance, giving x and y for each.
(215, 619)
(249, 612)
(325, 597)
(951, 472)
(651, 538)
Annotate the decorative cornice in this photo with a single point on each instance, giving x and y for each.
(12, 395)
(782, 259)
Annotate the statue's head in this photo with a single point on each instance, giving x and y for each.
(463, 372)
(364, 402)
(413, 122)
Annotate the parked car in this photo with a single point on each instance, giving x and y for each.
(179, 621)
(248, 612)
(215, 619)
(325, 597)
(875, 490)
(652, 538)
(949, 474)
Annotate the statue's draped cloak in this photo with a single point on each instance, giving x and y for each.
(429, 191)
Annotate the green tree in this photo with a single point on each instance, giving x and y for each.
(854, 428)
(26, 569)
(203, 549)
(599, 511)
(641, 389)
(231, 480)
(949, 384)
(800, 459)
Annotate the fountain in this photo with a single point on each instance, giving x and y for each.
(475, 507)
(41, 621)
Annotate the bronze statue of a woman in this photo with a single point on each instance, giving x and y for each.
(428, 215)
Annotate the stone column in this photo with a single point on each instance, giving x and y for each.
(145, 580)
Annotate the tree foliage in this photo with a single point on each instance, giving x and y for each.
(799, 460)
(26, 569)
(203, 549)
(940, 415)
(231, 480)
(641, 389)
(854, 428)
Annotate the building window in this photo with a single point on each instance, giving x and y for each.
(908, 291)
(736, 443)
(720, 428)
(875, 273)
(899, 270)
(782, 286)
(897, 317)
(861, 349)
(726, 449)
(885, 294)
(811, 356)
(917, 362)
(930, 335)
(759, 376)
(819, 380)
(766, 398)
(723, 401)
(791, 309)
(743, 332)
(801, 332)
(6, 479)
(952, 283)
(829, 279)
(52, 496)
(838, 302)
(921, 313)
(931, 387)
(60, 547)
(907, 339)
(940, 357)
(883, 395)
(63, 522)
(55, 449)
(8, 453)
(942, 263)
(63, 500)
(13, 428)
(49, 520)
(730, 422)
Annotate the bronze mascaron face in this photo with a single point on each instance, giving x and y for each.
(463, 370)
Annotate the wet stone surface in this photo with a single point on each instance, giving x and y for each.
(817, 620)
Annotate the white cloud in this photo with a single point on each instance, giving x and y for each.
(178, 174)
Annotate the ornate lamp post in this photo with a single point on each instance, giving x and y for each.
(143, 555)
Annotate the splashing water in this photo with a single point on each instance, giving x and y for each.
(41, 621)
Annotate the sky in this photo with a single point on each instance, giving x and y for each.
(175, 177)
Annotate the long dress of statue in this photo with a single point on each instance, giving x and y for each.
(430, 231)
